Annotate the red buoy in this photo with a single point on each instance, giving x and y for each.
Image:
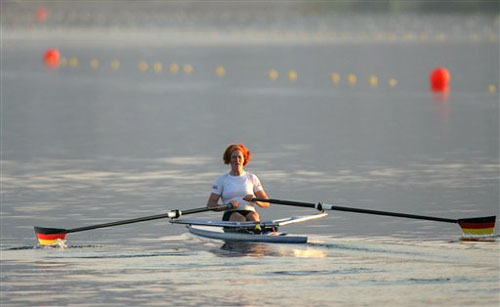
(51, 58)
(440, 79)
(41, 14)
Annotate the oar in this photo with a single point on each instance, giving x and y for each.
(471, 226)
(52, 236)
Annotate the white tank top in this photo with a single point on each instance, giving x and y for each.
(236, 187)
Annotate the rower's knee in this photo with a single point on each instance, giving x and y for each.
(253, 217)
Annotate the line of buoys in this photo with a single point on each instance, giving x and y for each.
(480, 34)
(352, 80)
(487, 34)
(157, 67)
(273, 75)
(439, 77)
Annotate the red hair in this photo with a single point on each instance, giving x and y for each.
(229, 150)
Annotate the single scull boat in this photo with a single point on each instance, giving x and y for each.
(245, 231)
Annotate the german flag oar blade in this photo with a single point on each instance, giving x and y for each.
(50, 236)
(478, 225)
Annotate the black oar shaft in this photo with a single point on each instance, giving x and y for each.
(170, 214)
(321, 206)
(386, 213)
(136, 220)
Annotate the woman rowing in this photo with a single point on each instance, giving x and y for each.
(237, 188)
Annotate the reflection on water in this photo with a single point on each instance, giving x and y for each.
(309, 253)
(239, 249)
(442, 105)
(251, 249)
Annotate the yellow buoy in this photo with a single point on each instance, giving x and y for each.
(188, 69)
(373, 81)
(335, 78)
(174, 68)
(273, 74)
(142, 66)
(115, 64)
(492, 88)
(292, 75)
(157, 67)
(352, 79)
(73, 62)
(220, 71)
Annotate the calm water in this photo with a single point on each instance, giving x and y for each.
(83, 145)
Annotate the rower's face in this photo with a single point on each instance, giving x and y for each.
(237, 159)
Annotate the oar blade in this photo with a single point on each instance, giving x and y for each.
(50, 236)
(482, 226)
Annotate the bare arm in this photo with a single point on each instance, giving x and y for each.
(213, 201)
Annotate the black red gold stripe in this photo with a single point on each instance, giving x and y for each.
(50, 236)
(478, 226)
(50, 239)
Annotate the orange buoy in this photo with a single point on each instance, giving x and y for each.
(440, 79)
(51, 58)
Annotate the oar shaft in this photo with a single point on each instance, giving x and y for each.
(170, 214)
(321, 206)
(117, 223)
(386, 213)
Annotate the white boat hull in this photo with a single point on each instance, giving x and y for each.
(219, 234)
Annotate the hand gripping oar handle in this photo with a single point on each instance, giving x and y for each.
(478, 225)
